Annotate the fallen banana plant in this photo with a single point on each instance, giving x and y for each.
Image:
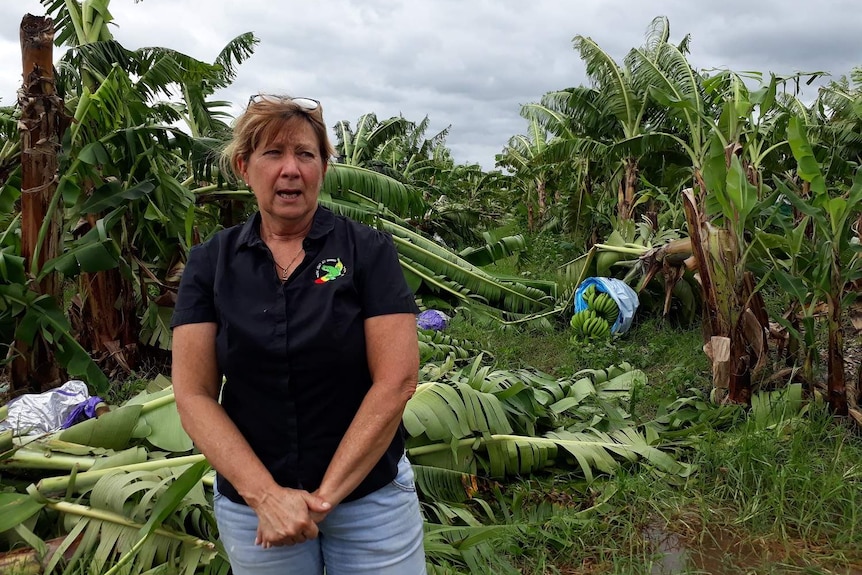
(107, 535)
(672, 259)
(129, 494)
(464, 420)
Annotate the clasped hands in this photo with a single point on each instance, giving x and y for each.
(288, 517)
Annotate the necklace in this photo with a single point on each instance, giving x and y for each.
(285, 271)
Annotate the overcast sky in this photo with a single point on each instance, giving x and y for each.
(470, 64)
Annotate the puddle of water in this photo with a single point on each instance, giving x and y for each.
(670, 549)
(719, 553)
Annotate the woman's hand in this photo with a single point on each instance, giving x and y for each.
(288, 517)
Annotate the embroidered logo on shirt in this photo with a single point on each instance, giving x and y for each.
(328, 270)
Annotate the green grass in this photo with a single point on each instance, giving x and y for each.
(800, 481)
(785, 499)
(670, 356)
(123, 390)
(758, 503)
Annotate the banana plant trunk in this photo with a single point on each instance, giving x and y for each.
(836, 390)
(41, 125)
(28, 561)
(109, 323)
(541, 197)
(730, 324)
(628, 190)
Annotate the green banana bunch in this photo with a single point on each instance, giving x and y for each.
(577, 321)
(597, 328)
(588, 325)
(605, 307)
(589, 295)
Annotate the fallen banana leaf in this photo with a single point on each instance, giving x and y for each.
(113, 430)
(160, 422)
(15, 508)
(166, 505)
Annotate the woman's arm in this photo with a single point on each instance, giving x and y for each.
(283, 512)
(393, 360)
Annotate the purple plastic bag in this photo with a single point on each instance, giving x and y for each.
(84, 410)
(432, 319)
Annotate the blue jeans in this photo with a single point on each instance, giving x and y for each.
(379, 534)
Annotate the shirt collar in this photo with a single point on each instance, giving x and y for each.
(323, 223)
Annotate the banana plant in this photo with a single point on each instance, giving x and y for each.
(524, 156)
(130, 216)
(436, 203)
(414, 157)
(828, 262)
(357, 147)
(27, 316)
(730, 133)
(836, 120)
(10, 156)
(163, 520)
(427, 263)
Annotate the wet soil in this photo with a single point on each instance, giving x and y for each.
(719, 552)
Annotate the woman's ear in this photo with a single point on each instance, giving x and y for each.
(242, 165)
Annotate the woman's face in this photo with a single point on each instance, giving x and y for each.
(286, 174)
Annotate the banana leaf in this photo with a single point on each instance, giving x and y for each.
(16, 508)
(113, 430)
(436, 346)
(492, 252)
(426, 261)
(159, 413)
(440, 484)
(396, 196)
(506, 296)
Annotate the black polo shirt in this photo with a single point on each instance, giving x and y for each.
(293, 354)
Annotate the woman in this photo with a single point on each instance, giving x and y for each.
(307, 317)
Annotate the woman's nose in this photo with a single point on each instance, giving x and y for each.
(289, 165)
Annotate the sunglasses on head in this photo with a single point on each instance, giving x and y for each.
(306, 104)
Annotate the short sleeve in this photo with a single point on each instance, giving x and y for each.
(195, 300)
(382, 287)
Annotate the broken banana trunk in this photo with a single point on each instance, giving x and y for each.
(735, 322)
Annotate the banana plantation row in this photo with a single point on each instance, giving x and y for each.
(703, 189)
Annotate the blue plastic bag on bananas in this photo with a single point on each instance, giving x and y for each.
(625, 297)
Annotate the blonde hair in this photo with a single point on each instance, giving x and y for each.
(266, 118)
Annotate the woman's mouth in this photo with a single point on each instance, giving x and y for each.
(288, 194)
